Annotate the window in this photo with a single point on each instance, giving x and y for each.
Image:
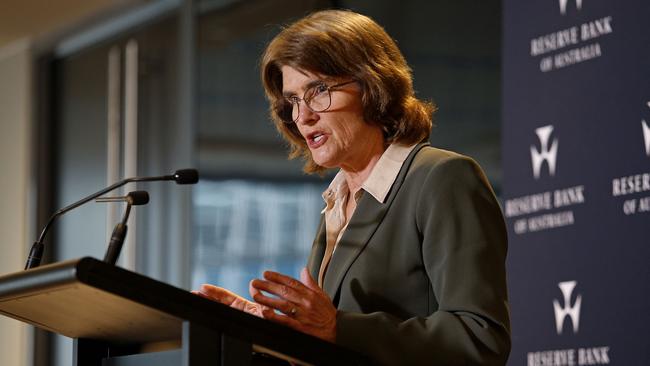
(244, 227)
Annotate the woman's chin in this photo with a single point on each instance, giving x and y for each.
(326, 165)
(319, 157)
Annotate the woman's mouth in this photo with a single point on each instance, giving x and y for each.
(316, 140)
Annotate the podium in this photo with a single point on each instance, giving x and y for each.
(120, 318)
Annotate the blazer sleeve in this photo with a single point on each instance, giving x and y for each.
(464, 244)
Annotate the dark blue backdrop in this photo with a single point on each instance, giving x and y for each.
(580, 68)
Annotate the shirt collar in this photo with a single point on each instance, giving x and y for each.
(380, 180)
(337, 189)
(383, 175)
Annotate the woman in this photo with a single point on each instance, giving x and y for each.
(408, 263)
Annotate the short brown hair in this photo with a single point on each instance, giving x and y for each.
(339, 43)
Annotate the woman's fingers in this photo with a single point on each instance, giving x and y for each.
(307, 307)
(231, 299)
(307, 280)
(285, 280)
(217, 294)
(281, 290)
(282, 319)
(252, 290)
(275, 303)
(199, 293)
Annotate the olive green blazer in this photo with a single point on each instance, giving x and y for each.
(420, 279)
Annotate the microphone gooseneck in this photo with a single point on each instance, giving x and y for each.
(183, 176)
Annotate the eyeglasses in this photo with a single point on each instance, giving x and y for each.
(318, 98)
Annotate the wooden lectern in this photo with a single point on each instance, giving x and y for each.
(120, 318)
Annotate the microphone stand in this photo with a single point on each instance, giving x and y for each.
(117, 238)
(116, 242)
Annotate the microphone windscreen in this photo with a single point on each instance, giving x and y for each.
(186, 176)
(138, 198)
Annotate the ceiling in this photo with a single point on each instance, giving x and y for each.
(37, 18)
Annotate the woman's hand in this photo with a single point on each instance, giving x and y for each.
(231, 299)
(306, 306)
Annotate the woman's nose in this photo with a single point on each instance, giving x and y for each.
(305, 114)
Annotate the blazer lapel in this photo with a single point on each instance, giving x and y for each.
(317, 250)
(363, 224)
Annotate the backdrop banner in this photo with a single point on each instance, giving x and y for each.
(576, 184)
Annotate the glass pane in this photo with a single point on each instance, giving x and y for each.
(244, 227)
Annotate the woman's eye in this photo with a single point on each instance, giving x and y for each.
(321, 88)
(315, 91)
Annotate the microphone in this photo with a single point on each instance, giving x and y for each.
(183, 176)
(135, 198)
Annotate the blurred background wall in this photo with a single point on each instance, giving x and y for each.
(24, 25)
(15, 165)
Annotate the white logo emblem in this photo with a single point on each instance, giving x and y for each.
(545, 154)
(646, 136)
(563, 5)
(572, 311)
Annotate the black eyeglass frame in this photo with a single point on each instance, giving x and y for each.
(287, 112)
